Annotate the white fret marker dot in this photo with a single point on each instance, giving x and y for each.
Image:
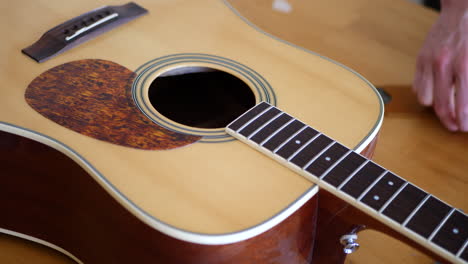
(298, 142)
(390, 183)
(455, 231)
(376, 197)
(327, 158)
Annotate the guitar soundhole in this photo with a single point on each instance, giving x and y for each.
(200, 97)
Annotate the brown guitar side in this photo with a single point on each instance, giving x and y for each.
(46, 195)
(58, 202)
(336, 218)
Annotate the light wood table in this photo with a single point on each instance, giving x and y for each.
(379, 39)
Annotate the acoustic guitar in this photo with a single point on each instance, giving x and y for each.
(123, 145)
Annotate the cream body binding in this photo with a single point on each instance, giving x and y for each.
(182, 192)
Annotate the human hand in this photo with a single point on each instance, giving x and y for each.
(441, 78)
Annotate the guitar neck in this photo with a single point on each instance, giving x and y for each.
(355, 179)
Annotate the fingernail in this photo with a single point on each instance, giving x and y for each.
(452, 127)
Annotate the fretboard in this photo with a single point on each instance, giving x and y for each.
(354, 178)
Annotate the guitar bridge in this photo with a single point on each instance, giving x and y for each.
(81, 29)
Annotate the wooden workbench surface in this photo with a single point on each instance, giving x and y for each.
(379, 39)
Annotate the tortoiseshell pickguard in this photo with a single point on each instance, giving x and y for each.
(93, 97)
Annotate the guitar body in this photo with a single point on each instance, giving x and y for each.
(54, 200)
(92, 168)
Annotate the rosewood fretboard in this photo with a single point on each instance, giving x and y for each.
(349, 175)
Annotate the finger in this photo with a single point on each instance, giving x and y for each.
(443, 78)
(423, 82)
(461, 97)
(452, 102)
(418, 74)
(426, 87)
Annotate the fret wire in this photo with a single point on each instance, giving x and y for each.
(416, 209)
(289, 138)
(334, 164)
(462, 249)
(253, 119)
(372, 185)
(305, 145)
(277, 131)
(352, 174)
(441, 224)
(393, 197)
(326, 172)
(264, 125)
(318, 155)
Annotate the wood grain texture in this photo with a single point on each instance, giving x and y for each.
(338, 218)
(410, 130)
(380, 39)
(93, 97)
(83, 209)
(21, 251)
(304, 83)
(78, 215)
